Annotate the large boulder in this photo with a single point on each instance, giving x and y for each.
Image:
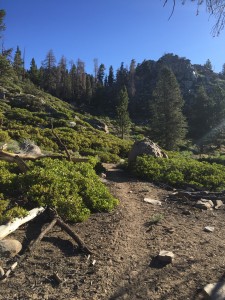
(30, 148)
(145, 146)
(97, 124)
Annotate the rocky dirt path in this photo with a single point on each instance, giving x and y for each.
(126, 243)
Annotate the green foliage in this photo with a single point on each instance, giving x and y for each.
(4, 137)
(8, 213)
(123, 119)
(168, 124)
(179, 172)
(155, 219)
(73, 189)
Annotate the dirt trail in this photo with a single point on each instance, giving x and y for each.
(126, 244)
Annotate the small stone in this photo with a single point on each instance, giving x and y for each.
(186, 212)
(9, 248)
(152, 201)
(166, 256)
(215, 291)
(209, 229)
(2, 272)
(218, 204)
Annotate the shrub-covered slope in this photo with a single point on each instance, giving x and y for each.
(29, 114)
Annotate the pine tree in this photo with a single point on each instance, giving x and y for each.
(18, 63)
(168, 124)
(2, 24)
(110, 77)
(123, 119)
(49, 73)
(208, 64)
(201, 115)
(101, 74)
(34, 72)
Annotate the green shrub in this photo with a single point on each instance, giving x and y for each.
(73, 189)
(179, 171)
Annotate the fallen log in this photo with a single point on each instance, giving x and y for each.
(10, 157)
(17, 222)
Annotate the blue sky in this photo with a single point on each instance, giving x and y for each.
(113, 31)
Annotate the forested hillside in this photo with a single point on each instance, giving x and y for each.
(201, 103)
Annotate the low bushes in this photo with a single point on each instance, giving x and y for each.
(73, 189)
(179, 171)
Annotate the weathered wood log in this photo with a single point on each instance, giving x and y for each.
(10, 157)
(74, 236)
(17, 222)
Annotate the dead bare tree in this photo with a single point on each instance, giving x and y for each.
(215, 8)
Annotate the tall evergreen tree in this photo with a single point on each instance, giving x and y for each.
(101, 74)
(168, 124)
(110, 77)
(33, 73)
(123, 119)
(2, 24)
(208, 64)
(18, 63)
(49, 72)
(201, 115)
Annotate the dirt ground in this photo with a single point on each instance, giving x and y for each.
(126, 243)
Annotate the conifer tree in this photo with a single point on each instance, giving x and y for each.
(49, 72)
(123, 119)
(201, 115)
(2, 24)
(168, 124)
(18, 63)
(34, 72)
(110, 77)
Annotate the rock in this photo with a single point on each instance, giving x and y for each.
(204, 204)
(152, 201)
(72, 124)
(216, 291)
(98, 125)
(9, 248)
(30, 148)
(209, 229)
(166, 256)
(218, 204)
(2, 272)
(145, 146)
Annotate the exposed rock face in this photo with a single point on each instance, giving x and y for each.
(145, 146)
(98, 125)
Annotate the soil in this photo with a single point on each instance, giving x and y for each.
(126, 243)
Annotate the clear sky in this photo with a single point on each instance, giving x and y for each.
(113, 31)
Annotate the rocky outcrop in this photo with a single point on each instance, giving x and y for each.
(97, 124)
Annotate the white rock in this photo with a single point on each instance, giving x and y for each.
(209, 228)
(9, 248)
(152, 201)
(218, 204)
(166, 256)
(216, 291)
